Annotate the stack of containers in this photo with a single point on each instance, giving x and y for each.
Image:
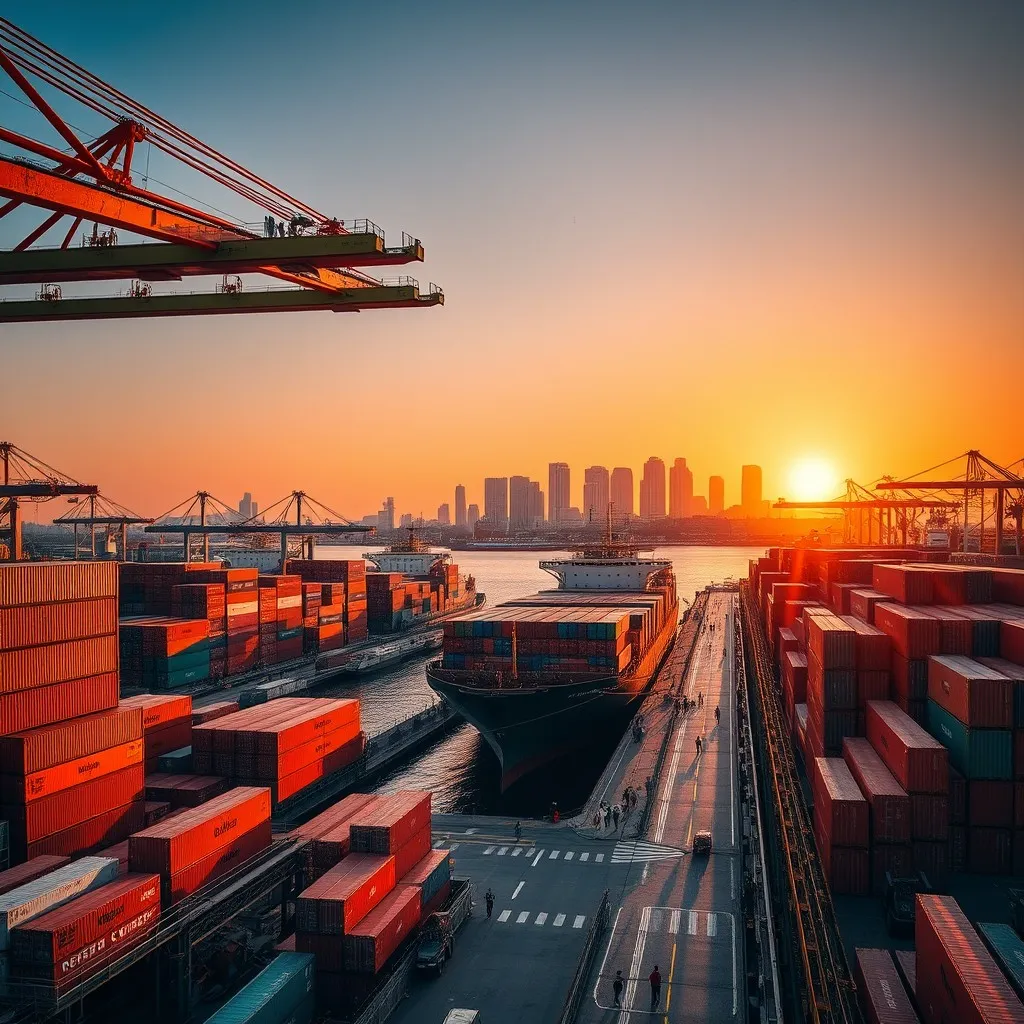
(241, 596)
(331, 829)
(312, 599)
(184, 790)
(775, 604)
(831, 683)
(13, 878)
(920, 764)
(385, 601)
(287, 603)
(873, 654)
(147, 588)
(984, 629)
(794, 682)
(915, 636)
(841, 826)
(957, 979)
(159, 653)
(352, 575)
(191, 849)
(970, 711)
(787, 641)
(282, 991)
(70, 943)
(863, 602)
(46, 892)
(398, 825)
(329, 634)
(206, 601)
(907, 584)
(433, 877)
(881, 993)
(888, 812)
(211, 712)
(166, 725)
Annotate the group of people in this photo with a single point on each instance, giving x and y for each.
(654, 978)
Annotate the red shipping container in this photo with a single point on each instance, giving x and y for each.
(990, 850)
(23, 583)
(906, 964)
(872, 685)
(335, 815)
(172, 845)
(929, 816)
(156, 810)
(830, 640)
(888, 802)
(897, 859)
(933, 859)
(190, 879)
(35, 786)
(909, 584)
(840, 810)
(975, 694)
(65, 809)
(847, 868)
(160, 710)
(957, 798)
(863, 601)
(1011, 640)
(371, 942)
(990, 803)
(50, 938)
(328, 950)
(957, 848)
(879, 989)
(211, 712)
(36, 750)
(956, 633)
(20, 875)
(343, 896)
(872, 647)
(957, 979)
(914, 633)
(320, 717)
(165, 738)
(412, 852)
(391, 822)
(29, 625)
(32, 667)
(909, 678)
(184, 790)
(101, 830)
(918, 761)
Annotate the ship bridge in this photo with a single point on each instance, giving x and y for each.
(604, 573)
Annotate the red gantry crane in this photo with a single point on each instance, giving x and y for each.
(91, 182)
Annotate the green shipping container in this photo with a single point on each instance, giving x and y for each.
(1007, 950)
(974, 753)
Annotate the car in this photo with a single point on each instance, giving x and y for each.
(702, 842)
(435, 944)
(899, 900)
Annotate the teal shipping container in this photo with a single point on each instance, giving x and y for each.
(1007, 949)
(974, 753)
(282, 991)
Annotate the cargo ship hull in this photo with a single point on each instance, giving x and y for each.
(531, 726)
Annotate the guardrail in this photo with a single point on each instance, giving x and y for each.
(571, 1007)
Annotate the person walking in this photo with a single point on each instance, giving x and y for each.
(607, 815)
(700, 699)
(489, 900)
(617, 988)
(718, 715)
(699, 745)
(519, 831)
(615, 815)
(655, 980)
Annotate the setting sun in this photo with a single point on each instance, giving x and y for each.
(813, 480)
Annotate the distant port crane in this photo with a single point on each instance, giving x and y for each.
(104, 512)
(93, 182)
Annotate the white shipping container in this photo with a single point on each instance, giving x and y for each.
(52, 890)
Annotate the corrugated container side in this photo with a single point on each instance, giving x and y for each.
(343, 896)
(1007, 949)
(371, 942)
(274, 995)
(90, 835)
(26, 583)
(974, 693)
(975, 753)
(30, 667)
(917, 760)
(46, 782)
(58, 703)
(880, 990)
(887, 800)
(840, 809)
(22, 874)
(188, 880)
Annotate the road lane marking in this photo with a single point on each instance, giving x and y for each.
(568, 855)
(673, 922)
(503, 851)
(599, 857)
(540, 853)
(584, 856)
(470, 831)
(531, 851)
(504, 915)
(560, 920)
(671, 974)
(638, 958)
(518, 850)
(523, 917)
(438, 842)
(541, 918)
(453, 847)
(490, 849)
(712, 925)
(655, 919)
(519, 889)
(578, 922)
(691, 927)
(553, 855)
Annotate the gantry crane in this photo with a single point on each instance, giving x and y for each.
(26, 478)
(92, 182)
(971, 475)
(102, 511)
(865, 515)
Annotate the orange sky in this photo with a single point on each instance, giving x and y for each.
(723, 246)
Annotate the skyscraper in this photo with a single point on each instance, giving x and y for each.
(716, 495)
(444, 514)
(536, 503)
(245, 507)
(386, 516)
(595, 494)
(472, 514)
(519, 512)
(652, 489)
(460, 505)
(558, 490)
(496, 500)
(751, 491)
(621, 493)
(680, 490)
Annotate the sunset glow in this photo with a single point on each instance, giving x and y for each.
(812, 479)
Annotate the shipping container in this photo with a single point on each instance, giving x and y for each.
(431, 873)
(908, 584)
(89, 835)
(932, 857)
(211, 712)
(345, 894)
(39, 784)
(906, 964)
(1015, 673)
(47, 664)
(975, 753)
(160, 709)
(919, 762)
(30, 625)
(391, 822)
(371, 942)
(58, 703)
(863, 602)
(1007, 949)
(184, 790)
(236, 851)
(840, 810)
(412, 852)
(990, 851)
(929, 816)
(847, 868)
(48, 583)
(977, 695)
(914, 633)
(888, 803)
(831, 641)
(990, 803)
(957, 798)
(1011, 640)
(879, 989)
(957, 979)
(282, 992)
(20, 875)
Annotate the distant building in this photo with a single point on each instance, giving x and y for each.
(716, 495)
(621, 493)
(472, 515)
(750, 491)
(536, 504)
(386, 516)
(496, 500)
(444, 514)
(699, 505)
(570, 515)
(460, 505)
(680, 490)
(520, 512)
(652, 489)
(596, 494)
(246, 507)
(558, 490)
(406, 521)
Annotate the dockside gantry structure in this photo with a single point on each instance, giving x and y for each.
(91, 183)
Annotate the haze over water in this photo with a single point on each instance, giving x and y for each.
(461, 770)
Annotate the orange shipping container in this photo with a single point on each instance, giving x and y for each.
(31, 667)
(28, 625)
(18, 788)
(104, 829)
(160, 709)
(24, 583)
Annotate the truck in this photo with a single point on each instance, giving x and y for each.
(437, 936)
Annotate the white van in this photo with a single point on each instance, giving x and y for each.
(462, 1017)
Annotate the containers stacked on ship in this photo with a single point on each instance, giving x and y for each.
(285, 744)
(831, 683)
(880, 990)
(161, 653)
(840, 826)
(328, 834)
(192, 849)
(351, 573)
(206, 601)
(281, 638)
(166, 724)
(283, 991)
(242, 608)
(183, 790)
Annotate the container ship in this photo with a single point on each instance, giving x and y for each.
(546, 674)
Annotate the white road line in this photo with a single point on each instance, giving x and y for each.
(578, 922)
(530, 852)
(656, 916)
(504, 915)
(540, 853)
(519, 888)
(607, 949)
(560, 920)
(438, 842)
(599, 857)
(553, 855)
(503, 851)
(517, 851)
(691, 927)
(568, 855)
(584, 856)
(638, 957)
(453, 847)
(673, 922)
(541, 918)
(523, 917)
(470, 831)
(490, 849)
(712, 925)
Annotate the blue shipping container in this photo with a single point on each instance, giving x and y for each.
(974, 753)
(282, 991)
(1007, 948)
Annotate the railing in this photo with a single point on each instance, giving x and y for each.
(577, 987)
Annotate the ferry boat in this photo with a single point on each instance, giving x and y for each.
(543, 675)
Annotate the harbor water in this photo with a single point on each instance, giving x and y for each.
(461, 770)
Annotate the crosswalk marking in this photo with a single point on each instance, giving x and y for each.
(502, 851)
(641, 852)
(655, 920)
(523, 917)
(504, 915)
(438, 842)
(453, 847)
(670, 921)
(692, 926)
(580, 918)
(712, 925)
(490, 849)
(599, 858)
(519, 889)
(540, 853)
(541, 918)
(568, 855)
(584, 856)
(553, 855)
(530, 852)
(673, 923)
(559, 920)
(518, 850)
